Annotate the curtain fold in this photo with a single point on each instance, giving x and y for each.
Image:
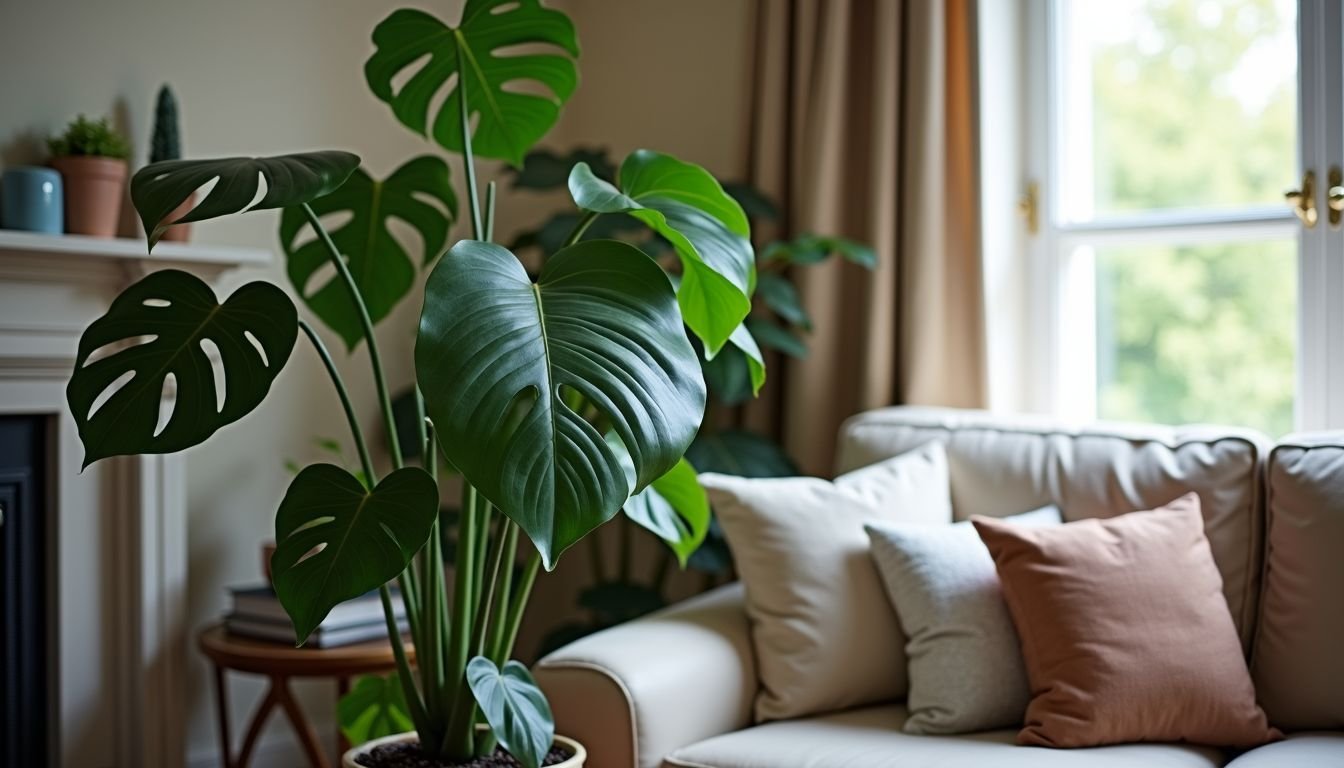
(864, 125)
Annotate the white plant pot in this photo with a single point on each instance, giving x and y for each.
(577, 753)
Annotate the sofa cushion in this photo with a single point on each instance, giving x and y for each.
(999, 465)
(824, 635)
(1301, 750)
(873, 738)
(1297, 665)
(1125, 633)
(966, 672)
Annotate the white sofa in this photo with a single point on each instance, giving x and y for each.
(676, 689)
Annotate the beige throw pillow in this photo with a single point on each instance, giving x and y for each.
(824, 634)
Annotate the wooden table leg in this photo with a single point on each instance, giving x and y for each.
(254, 728)
(342, 688)
(307, 736)
(222, 707)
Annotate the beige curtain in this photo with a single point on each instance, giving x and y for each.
(864, 125)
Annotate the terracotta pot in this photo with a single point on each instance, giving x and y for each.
(94, 188)
(577, 753)
(180, 233)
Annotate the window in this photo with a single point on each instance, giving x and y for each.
(1172, 283)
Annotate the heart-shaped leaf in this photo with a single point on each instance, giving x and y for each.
(495, 349)
(516, 709)
(707, 228)
(379, 264)
(158, 189)
(374, 708)
(674, 508)
(501, 83)
(159, 328)
(363, 538)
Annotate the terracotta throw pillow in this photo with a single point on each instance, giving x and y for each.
(1125, 631)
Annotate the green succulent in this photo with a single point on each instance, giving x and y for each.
(92, 138)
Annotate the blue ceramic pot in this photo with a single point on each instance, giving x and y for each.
(30, 200)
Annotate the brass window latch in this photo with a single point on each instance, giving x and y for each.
(1334, 196)
(1303, 200)
(1029, 206)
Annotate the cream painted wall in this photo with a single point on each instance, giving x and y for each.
(270, 76)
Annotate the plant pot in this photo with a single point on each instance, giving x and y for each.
(577, 753)
(94, 187)
(181, 233)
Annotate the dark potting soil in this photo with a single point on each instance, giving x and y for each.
(407, 755)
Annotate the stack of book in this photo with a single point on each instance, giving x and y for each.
(257, 614)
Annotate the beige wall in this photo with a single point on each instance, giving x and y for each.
(270, 76)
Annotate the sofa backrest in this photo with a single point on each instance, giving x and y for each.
(1002, 465)
(1298, 661)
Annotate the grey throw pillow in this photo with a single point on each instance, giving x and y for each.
(965, 665)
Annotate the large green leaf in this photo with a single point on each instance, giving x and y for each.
(782, 298)
(157, 329)
(502, 83)
(158, 189)
(374, 708)
(707, 228)
(515, 708)
(379, 264)
(674, 508)
(497, 350)
(776, 338)
(363, 537)
(737, 373)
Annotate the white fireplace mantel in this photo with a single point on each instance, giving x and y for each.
(117, 530)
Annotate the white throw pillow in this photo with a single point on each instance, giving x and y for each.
(965, 665)
(821, 626)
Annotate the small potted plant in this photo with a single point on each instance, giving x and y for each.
(91, 158)
(166, 144)
(560, 399)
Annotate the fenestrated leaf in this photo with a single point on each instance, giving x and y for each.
(782, 298)
(516, 709)
(501, 83)
(496, 349)
(776, 338)
(155, 329)
(544, 169)
(374, 707)
(381, 267)
(812, 249)
(707, 228)
(366, 537)
(158, 189)
(674, 508)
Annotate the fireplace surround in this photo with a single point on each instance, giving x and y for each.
(116, 533)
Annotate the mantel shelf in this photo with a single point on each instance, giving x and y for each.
(23, 244)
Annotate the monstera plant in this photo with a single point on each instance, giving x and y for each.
(561, 398)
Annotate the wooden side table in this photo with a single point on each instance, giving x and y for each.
(279, 662)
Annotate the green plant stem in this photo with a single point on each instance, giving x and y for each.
(517, 607)
(430, 642)
(355, 432)
(588, 218)
(375, 359)
(468, 161)
(497, 555)
(457, 740)
(490, 212)
(502, 598)
(418, 714)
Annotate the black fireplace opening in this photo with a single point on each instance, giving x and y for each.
(25, 678)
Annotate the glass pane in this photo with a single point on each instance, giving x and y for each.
(1198, 333)
(1169, 104)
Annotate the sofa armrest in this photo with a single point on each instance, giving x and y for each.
(635, 692)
